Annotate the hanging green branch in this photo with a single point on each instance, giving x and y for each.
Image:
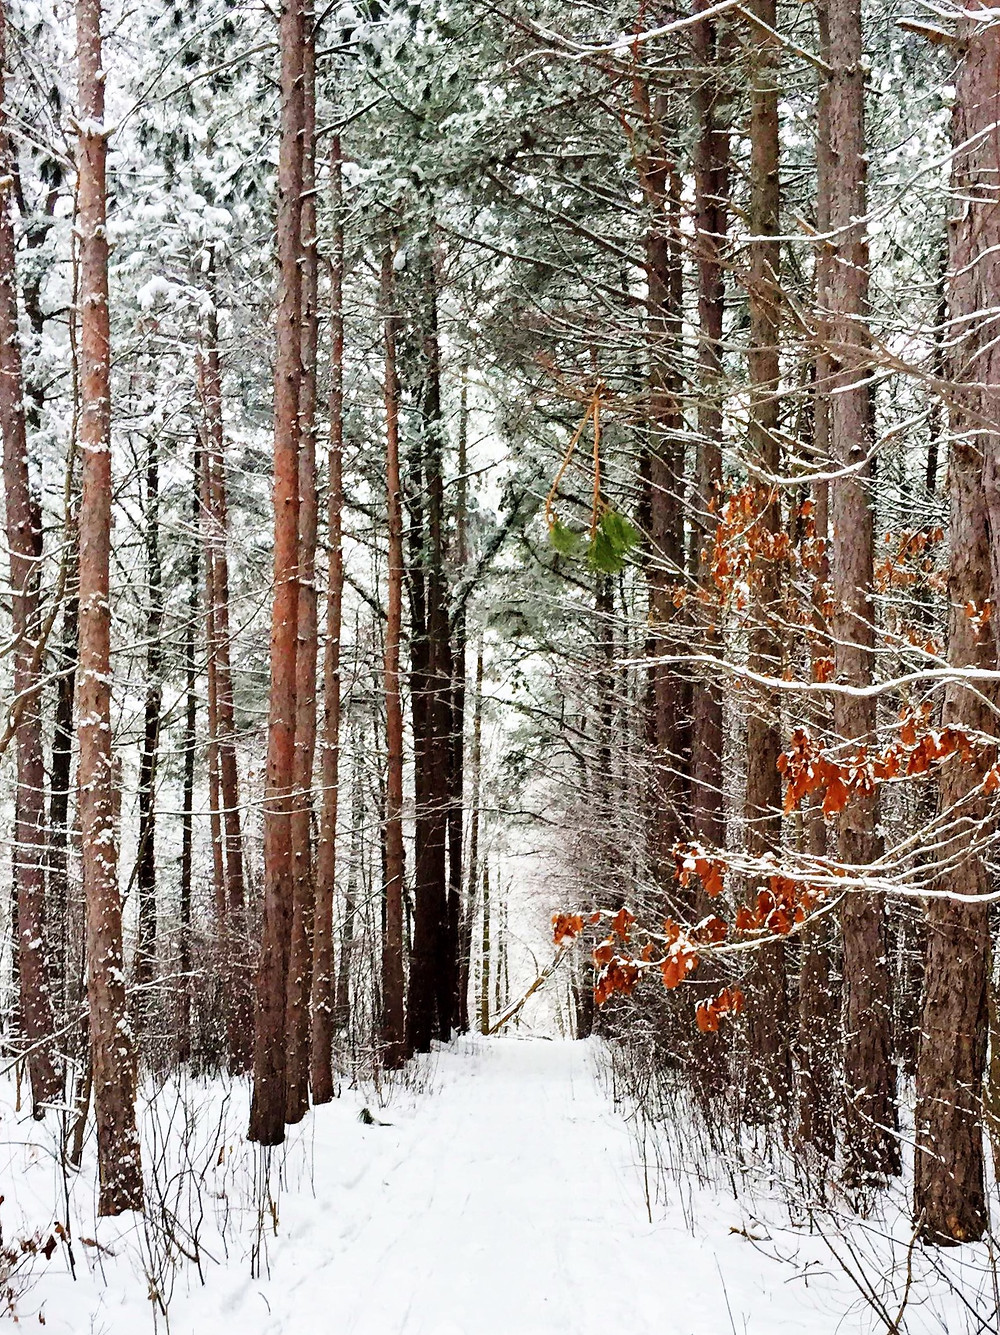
(611, 536)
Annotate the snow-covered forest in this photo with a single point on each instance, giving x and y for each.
(499, 773)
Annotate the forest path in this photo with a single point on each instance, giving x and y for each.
(506, 1200)
(503, 1195)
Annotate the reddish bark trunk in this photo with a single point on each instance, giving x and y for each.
(323, 1007)
(304, 892)
(769, 1070)
(949, 1194)
(267, 1112)
(870, 1109)
(111, 1043)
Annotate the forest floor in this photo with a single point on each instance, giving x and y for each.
(498, 1192)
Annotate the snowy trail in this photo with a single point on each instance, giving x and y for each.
(504, 1200)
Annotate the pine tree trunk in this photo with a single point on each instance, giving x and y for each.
(431, 975)
(342, 1000)
(869, 1073)
(66, 985)
(304, 894)
(267, 1112)
(184, 953)
(145, 868)
(457, 907)
(323, 1001)
(111, 1042)
(769, 1071)
(818, 1034)
(475, 818)
(24, 542)
(711, 187)
(227, 838)
(949, 1194)
(393, 1026)
(485, 956)
(212, 680)
(662, 466)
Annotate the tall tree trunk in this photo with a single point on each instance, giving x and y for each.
(227, 839)
(212, 681)
(456, 757)
(431, 973)
(485, 956)
(111, 1041)
(662, 468)
(475, 817)
(267, 1112)
(304, 895)
(145, 867)
(817, 1038)
(184, 954)
(60, 779)
(24, 542)
(323, 1000)
(711, 188)
(769, 1070)
(949, 1194)
(342, 1001)
(393, 1026)
(869, 1074)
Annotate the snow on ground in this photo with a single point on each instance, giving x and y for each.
(498, 1195)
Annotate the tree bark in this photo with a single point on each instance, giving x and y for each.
(949, 1194)
(870, 1108)
(393, 1026)
(475, 818)
(323, 1000)
(67, 985)
(711, 188)
(111, 1041)
(212, 678)
(267, 1112)
(431, 975)
(342, 1001)
(226, 832)
(769, 1068)
(24, 542)
(662, 465)
(145, 867)
(304, 889)
(184, 954)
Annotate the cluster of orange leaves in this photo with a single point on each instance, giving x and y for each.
(778, 908)
(911, 545)
(618, 970)
(692, 860)
(742, 540)
(708, 1013)
(807, 768)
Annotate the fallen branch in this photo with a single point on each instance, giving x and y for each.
(540, 981)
